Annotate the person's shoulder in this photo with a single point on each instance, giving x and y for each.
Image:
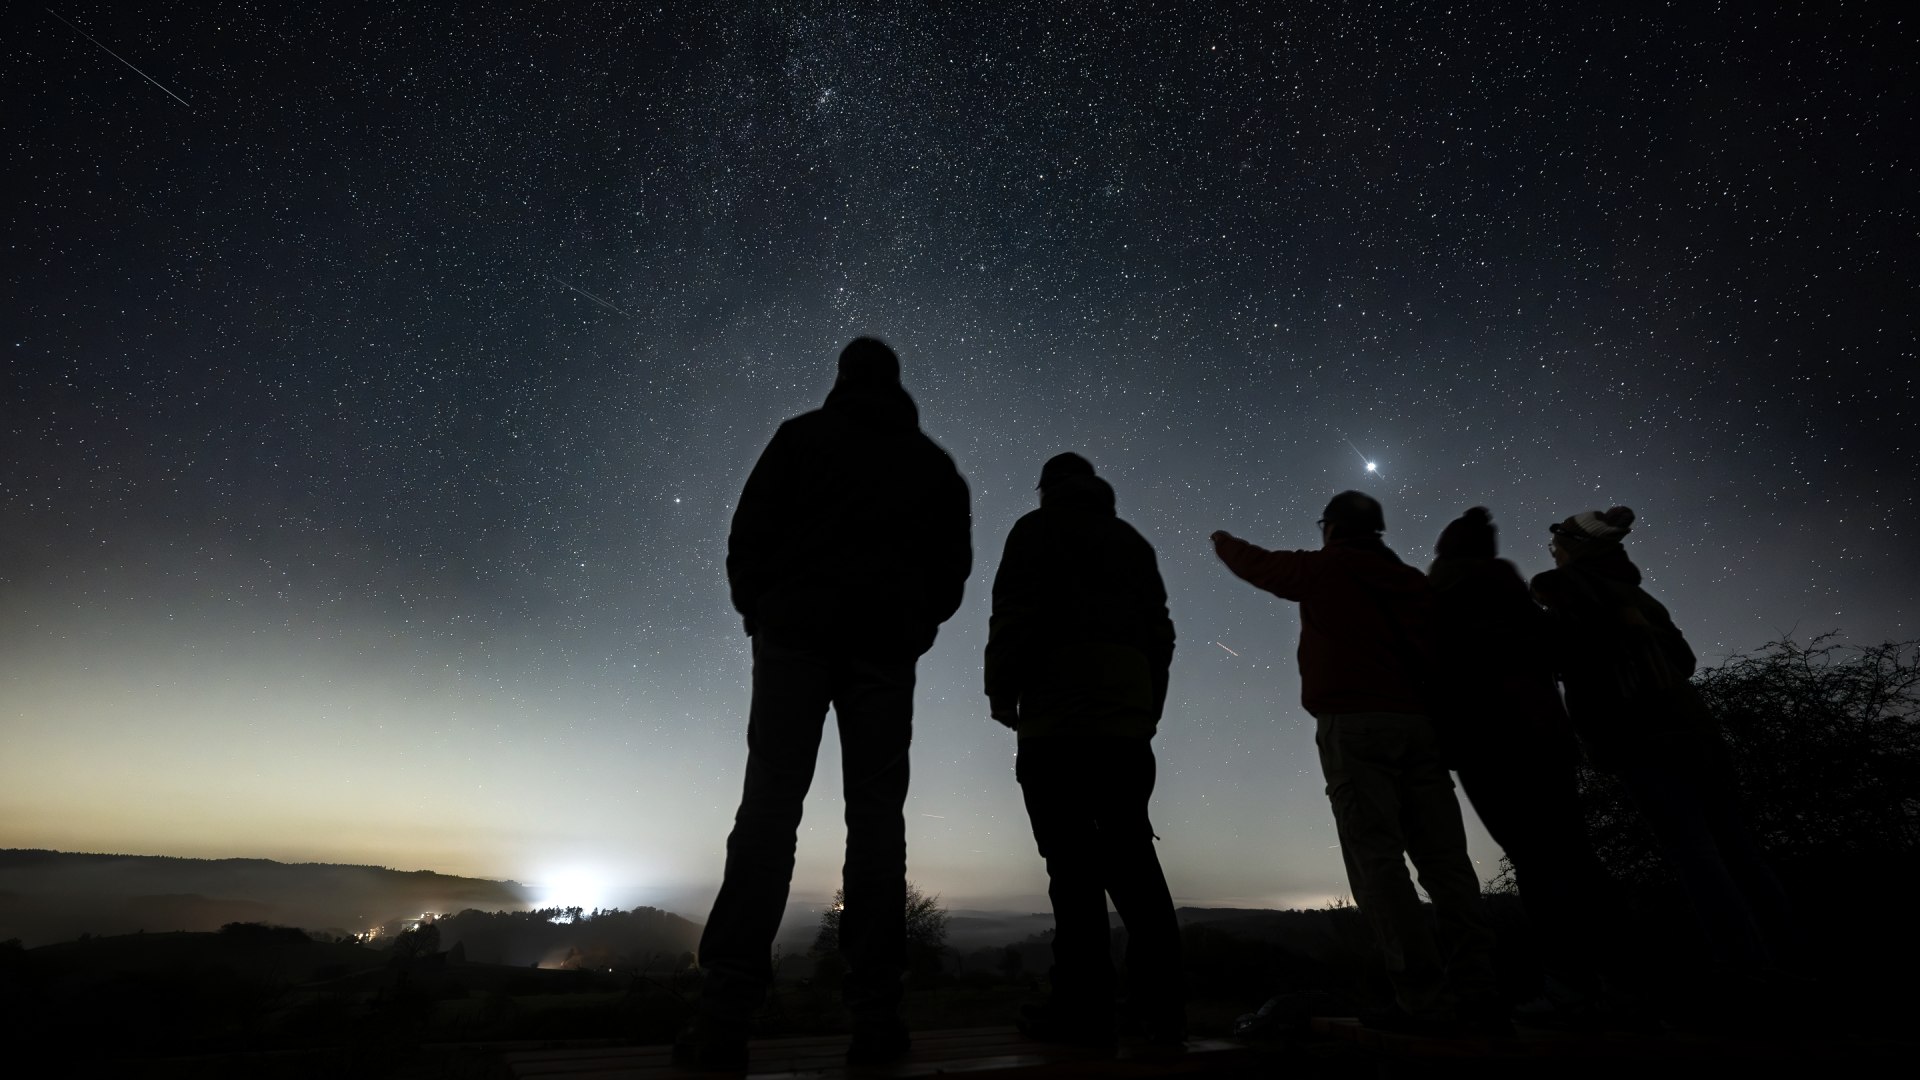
(1408, 578)
(1122, 527)
(933, 462)
(929, 445)
(1555, 582)
(1032, 520)
(806, 423)
(1372, 561)
(1505, 574)
(1123, 537)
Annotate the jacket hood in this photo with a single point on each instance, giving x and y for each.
(1086, 494)
(1447, 573)
(873, 403)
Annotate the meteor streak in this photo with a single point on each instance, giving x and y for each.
(603, 303)
(118, 57)
(1223, 645)
(1372, 466)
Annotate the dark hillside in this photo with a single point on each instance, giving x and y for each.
(49, 896)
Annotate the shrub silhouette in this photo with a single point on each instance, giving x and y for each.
(926, 933)
(1824, 740)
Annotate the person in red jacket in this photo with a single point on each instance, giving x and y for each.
(1365, 645)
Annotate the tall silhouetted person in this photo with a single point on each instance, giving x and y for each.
(1365, 660)
(1627, 670)
(850, 546)
(1077, 663)
(1506, 733)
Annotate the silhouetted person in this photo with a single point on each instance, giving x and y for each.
(1506, 733)
(1077, 663)
(1627, 671)
(850, 546)
(1365, 657)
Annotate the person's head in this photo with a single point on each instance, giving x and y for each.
(868, 360)
(1352, 515)
(1591, 532)
(1061, 467)
(1469, 536)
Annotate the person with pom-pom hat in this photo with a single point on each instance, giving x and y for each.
(1627, 669)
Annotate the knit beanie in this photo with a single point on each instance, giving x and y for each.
(1353, 512)
(1595, 527)
(869, 360)
(1061, 466)
(1469, 536)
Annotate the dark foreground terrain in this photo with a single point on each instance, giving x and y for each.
(257, 1000)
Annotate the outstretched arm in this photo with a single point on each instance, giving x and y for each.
(1285, 574)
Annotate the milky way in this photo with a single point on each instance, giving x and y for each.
(373, 425)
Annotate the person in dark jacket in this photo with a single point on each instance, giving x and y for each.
(1627, 670)
(1365, 661)
(1507, 734)
(850, 546)
(1077, 657)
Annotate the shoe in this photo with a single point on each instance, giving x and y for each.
(712, 1046)
(877, 1042)
(1069, 1027)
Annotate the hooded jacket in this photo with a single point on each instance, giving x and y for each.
(1493, 669)
(1625, 664)
(1365, 622)
(1080, 637)
(854, 529)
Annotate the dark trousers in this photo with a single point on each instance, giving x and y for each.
(872, 701)
(1087, 799)
(1526, 791)
(1393, 801)
(1684, 788)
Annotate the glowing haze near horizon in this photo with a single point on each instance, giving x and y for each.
(373, 420)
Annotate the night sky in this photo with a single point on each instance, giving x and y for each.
(375, 409)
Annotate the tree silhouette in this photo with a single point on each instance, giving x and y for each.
(926, 929)
(418, 943)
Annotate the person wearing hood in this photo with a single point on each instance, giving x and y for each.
(1627, 670)
(1365, 664)
(850, 545)
(1506, 733)
(1077, 656)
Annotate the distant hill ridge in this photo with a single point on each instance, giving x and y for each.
(48, 896)
(14, 857)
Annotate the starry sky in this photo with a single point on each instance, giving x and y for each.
(379, 381)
